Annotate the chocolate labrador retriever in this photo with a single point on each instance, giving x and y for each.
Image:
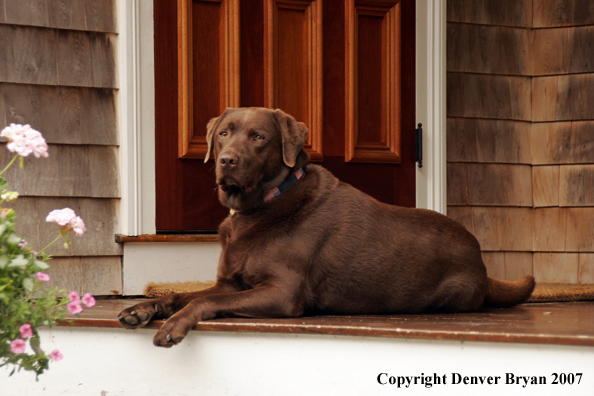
(298, 241)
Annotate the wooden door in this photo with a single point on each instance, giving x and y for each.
(344, 67)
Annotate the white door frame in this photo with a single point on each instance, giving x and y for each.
(136, 116)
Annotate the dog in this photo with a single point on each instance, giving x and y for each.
(298, 242)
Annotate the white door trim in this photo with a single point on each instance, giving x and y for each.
(431, 102)
(136, 116)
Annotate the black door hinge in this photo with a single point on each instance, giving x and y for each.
(419, 145)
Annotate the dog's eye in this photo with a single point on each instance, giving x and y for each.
(223, 134)
(258, 137)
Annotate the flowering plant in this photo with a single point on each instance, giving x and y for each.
(25, 304)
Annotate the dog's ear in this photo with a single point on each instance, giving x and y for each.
(211, 127)
(293, 134)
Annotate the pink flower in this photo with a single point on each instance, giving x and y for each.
(56, 355)
(68, 220)
(73, 296)
(78, 226)
(17, 346)
(74, 307)
(24, 140)
(26, 331)
(88, 300)
(43, 276)
(23, 244)
(61, 216)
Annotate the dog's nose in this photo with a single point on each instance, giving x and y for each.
(228, 160)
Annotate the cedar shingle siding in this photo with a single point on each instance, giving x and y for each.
(521, 134)
(58, 73)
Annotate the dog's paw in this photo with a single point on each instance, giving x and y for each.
(172, 332)
(138, 315)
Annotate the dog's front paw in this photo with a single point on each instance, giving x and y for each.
(138, 315)
(172, 332)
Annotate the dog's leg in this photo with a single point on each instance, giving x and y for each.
(141, 314)
(269, 301)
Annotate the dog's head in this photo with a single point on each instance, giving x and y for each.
(255, 149)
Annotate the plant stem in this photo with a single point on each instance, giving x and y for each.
(51, 243)
(9, 164)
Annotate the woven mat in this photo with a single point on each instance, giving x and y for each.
(544, 292)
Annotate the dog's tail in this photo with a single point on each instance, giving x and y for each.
(507, 293)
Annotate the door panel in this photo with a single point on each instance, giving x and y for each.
(293, 68)
(345, 68)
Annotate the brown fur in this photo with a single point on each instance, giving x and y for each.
(322, 246)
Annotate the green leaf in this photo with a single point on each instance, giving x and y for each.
(3, 262)
(3, 183)
(14, 239)
(28, 284)
(2, 229)
(40, 265)
(18, 261)
(35, 344)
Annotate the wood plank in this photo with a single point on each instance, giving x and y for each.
(486, 225)
(499, 184)
(495, 264)
(544, 98)
(563, 142)
(517, 265)
(545, 185)
(74, 59)
(527, 323)
(103, 56)
(35, 55)
(556, 13)
(586, 268)
(65, 273)
(556, 267)
(580, 228)
(488, 141)
(102, 276)
(168, 238)
(489, 96)
(69, 171)
(33, 13)
(7, 62)
(491, 12)
(457, 188)
(2, 12)
(562, 51)
(99, 215)
(67, 14)
(488, 49)
(101, 15)
(503, 229)
(59, 112)
(463, 215)
(104, 171)
(550, 225)
(461, 140)
(575, 93)
(98, 113)
(3, 121)
(576, 185)
(515, 229)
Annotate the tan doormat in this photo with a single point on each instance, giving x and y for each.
(560, 292)
(544, 292)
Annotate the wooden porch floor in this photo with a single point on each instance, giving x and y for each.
(544, 323)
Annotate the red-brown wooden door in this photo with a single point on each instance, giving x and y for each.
(344, 67)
